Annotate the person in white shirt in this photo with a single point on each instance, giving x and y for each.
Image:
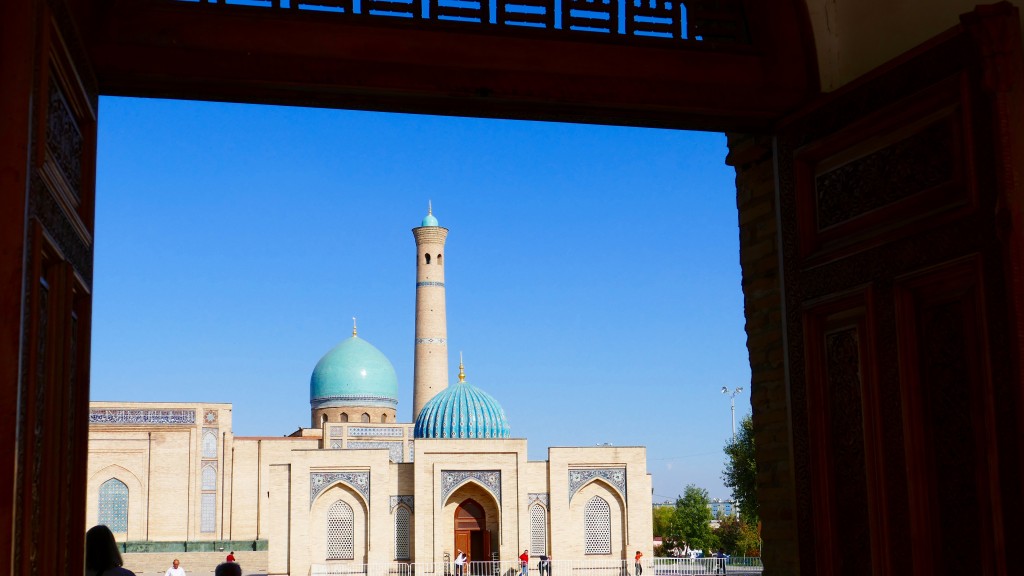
(175, 570)
(460, 561)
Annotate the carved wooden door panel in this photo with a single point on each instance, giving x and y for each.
(52, 391)
(901, 246)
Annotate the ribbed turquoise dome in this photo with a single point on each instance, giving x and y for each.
(353, 373)
(462, 411)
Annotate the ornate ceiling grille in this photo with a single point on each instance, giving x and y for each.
(684, 21)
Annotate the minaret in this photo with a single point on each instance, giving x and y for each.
(430, 371)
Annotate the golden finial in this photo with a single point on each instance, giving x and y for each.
(462, 371)
(353, 326)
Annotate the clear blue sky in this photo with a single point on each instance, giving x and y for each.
(592, 272)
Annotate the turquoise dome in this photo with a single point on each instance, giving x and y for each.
(429, 220)
(462, 411)
(353, 373)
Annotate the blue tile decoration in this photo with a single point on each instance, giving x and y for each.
(141, 416)
(335, 444)
(580, 477)
(353, 373)
(541, 497)
(394, 448)
(431, 340)
(320, 481)
(209, 417)
(337, 431)
(113, 505)
(489, 479)
(406, 500)
(336, 400)
(438, 284)
(364, 431)
(412, 452)
(462, 411)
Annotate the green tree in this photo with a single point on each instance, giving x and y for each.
(691, 522)
(738, 537)
(663, 519)
(740, 472)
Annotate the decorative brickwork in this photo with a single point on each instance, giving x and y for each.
(138, 416)
(489, 479)
(762, 305)
(394, 448)
(319, 481)
(580, 478)
(408, 501)
(390, 432)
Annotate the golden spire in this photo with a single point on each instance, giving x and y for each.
(353, 326)
(462, 371)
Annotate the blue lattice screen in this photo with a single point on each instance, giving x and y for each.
(113, 508)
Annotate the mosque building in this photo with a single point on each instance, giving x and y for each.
(358, 487)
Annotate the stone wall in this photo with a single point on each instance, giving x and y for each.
(194, 563)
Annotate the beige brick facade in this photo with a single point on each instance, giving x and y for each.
(278, 491)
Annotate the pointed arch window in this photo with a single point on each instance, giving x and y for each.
(365, 418)
(427, 258)
(209, 443)
(538, 530)
(340, 532)
(403, 520)
(113, 505)
(343, 418)
(597, 526)
(209, 477)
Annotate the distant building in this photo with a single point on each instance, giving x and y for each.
(358, 486)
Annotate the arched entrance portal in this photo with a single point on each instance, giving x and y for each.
(471, 535)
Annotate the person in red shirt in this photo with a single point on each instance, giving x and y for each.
(637, 564)
(231, 556)
(524, 559)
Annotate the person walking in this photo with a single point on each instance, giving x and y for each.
(231, 557)
(524, 560)
(638, 566)
(175, 569)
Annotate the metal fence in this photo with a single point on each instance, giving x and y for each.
(733, 566)
(376, 569)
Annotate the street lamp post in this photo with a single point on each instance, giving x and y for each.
(732, 404)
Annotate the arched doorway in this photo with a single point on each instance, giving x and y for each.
(471, 535)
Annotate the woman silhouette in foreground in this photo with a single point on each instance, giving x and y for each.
(102, 557)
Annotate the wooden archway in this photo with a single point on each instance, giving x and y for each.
(471, 534)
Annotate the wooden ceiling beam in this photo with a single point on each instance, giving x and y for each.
(262, 55)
